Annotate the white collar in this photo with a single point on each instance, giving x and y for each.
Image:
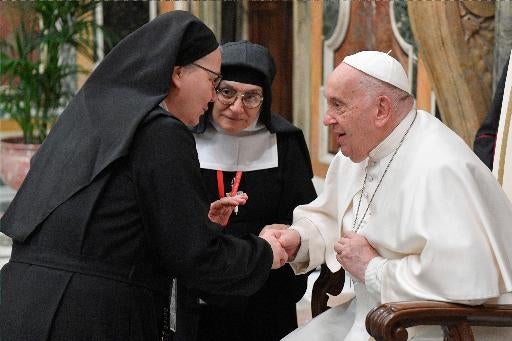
(391, 142)
(254, 148)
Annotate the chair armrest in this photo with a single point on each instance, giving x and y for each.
(326, 283)
(390, 320)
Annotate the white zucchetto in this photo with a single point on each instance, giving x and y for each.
(382, 66)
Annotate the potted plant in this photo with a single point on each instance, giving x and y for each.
(37, 65)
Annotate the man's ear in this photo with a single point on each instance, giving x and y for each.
(383, 111)
(176, 77)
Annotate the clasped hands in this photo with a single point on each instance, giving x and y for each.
(221, 210)
(353, 251)
(284, 242)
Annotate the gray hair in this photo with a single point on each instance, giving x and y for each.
(375, 87)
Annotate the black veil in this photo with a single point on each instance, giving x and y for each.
(98, 125)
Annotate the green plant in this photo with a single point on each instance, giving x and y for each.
(38, 58)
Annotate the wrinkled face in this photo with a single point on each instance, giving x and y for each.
(235, 117)
(350, 113)
(197, 87)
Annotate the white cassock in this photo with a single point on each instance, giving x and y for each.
(440, 222)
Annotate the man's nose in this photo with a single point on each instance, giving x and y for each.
(328, 119)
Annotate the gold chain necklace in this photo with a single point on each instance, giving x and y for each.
(356, 226)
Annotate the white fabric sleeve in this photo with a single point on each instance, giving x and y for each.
(373, 276)
(318, 226)
(312, 247)
(457, 248)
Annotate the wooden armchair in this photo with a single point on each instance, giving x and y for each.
(389, 321)
(326, 283)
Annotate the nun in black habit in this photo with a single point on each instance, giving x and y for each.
(243, 146)
(114, 206)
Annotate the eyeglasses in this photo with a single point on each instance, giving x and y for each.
(228, 96)
(218, 76)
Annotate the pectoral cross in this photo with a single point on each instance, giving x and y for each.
(235, 183)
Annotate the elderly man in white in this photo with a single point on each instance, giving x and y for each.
(408, 210)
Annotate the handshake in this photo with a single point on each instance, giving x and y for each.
(284, 243)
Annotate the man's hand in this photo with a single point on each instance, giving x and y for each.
(289, 239)
(280, 255)
(221, 210)
(274, 227)
(354, 253)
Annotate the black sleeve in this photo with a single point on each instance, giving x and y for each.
(173, 205)
(485, 139)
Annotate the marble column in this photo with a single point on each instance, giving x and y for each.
(301, 66)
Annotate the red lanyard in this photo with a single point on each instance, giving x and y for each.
(234, 185)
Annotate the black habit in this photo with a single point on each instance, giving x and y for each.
(273, 193)
(114, 206)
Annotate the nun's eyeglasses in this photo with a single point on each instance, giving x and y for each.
(228, 96)
(218, 76)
